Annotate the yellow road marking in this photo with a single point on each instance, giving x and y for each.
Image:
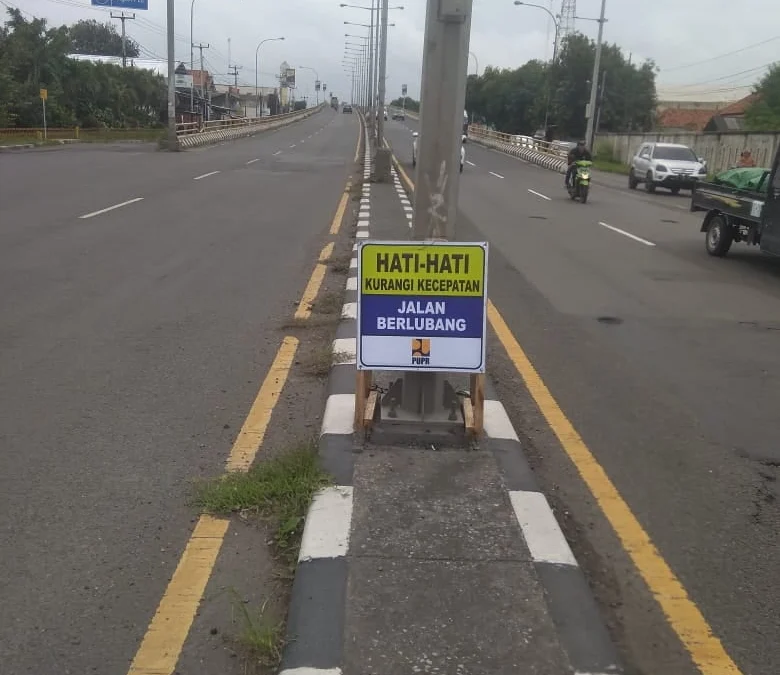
(252, 433)
(682, 613)
(335, 226)
(685, 618)
(315, 282)
(168, 630)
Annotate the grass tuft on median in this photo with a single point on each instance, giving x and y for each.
(278, 490)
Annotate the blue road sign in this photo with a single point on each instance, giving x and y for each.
(122, 4)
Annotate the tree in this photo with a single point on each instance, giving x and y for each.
(764, 114)
(514, 101)
(411, 104)
(33, 56)
(92, 37)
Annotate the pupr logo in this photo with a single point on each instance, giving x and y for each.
(421, 351)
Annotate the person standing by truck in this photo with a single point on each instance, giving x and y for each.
(746, 160)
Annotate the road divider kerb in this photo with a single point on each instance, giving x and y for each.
(315, 620)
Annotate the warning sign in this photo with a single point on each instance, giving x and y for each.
(421, 306)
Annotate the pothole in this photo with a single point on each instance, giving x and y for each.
(610, 320)
(537, 217)
(669, 220)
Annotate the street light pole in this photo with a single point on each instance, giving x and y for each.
(257, 71)
(317, 79)
(557, 25)
(594, 83)
(437, 178)
(382, 75)
(173, 143)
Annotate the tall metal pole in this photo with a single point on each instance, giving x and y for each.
(437, 178)
(382, 73)
(371, 69)
(375, 93)
(172, 141)
(594, 83)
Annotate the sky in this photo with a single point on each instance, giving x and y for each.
(690, 41)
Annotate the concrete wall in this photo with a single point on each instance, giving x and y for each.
(721, 150)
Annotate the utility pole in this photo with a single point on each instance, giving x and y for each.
(443, 95)
(594, 81)
(173, 143)
(200, 46)
(600, 104)
(234, 72)
(123, 17)
(375, 93)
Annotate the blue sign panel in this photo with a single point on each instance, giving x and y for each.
(122, 4)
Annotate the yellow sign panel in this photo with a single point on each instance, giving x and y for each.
(422, 269)
(44, 94)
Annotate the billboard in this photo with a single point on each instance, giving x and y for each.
(317, 85)
(289, 77)
(403, 90)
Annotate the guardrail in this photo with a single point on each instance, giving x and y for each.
(193, 134)
(551, 156)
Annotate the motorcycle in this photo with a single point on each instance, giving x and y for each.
(580, 186)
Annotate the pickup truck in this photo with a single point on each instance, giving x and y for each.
(734, 215)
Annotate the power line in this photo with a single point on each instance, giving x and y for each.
(720, 56)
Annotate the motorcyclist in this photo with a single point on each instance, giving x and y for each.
(578, 153)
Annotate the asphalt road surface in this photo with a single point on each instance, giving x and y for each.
(667, 362)
(141, 298)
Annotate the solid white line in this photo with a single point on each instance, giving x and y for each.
(349, 310)
(111, 208)
(627, 234)
(346, 348)
(252, 161)
(326, 532)
(497, 423)
(339, 414)
(493, 173)
(539, 194)
(206, 175)
(470, 163)
(278, 152)
(352, 282)
(540, 529)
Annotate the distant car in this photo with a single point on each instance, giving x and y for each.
(666, 165)
(347, 109)
(416, 137)
(399, 115)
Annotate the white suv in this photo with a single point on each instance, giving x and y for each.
(666, 165)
